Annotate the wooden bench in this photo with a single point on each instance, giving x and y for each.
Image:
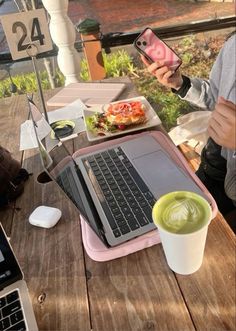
(191, 156)
(193, 159)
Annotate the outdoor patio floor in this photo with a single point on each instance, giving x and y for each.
(125, 15)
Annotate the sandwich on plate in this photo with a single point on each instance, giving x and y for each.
(116, 117)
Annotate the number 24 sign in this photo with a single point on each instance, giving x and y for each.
(25, 29)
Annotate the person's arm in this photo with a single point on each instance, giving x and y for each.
(196, 90)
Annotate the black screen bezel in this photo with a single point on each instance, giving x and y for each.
(9, 263)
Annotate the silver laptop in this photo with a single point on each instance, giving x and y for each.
(115, 188)
(16, 312)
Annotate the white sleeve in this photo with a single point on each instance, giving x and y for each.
(200, 94)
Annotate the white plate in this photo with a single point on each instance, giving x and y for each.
(152, 119)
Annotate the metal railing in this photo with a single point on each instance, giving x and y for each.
(118, 39)
(115, 39)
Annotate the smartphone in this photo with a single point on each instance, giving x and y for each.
(155, 49)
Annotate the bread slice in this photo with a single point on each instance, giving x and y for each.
(126, 113)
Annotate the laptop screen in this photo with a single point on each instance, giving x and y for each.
(9, 268)
(54, 155)
(62, 169)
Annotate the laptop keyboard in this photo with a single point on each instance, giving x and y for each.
(11, 315)
(125, 198)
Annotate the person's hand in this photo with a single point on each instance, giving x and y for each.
(165, 76)
(222, 124)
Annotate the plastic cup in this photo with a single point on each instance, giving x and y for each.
(182, 219)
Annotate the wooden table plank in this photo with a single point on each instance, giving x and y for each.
(210, 292)
(218, 304)
(191, 156)
(10, 119)
(52, 259)
(137, 292)
(134, 292)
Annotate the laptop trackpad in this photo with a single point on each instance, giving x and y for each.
(162, 175)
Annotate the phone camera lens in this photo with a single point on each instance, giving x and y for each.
(139, 43)
(144, 43)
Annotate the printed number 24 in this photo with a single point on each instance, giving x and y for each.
(36, 34)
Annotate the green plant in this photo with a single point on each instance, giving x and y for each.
(187, 57)
(84, 72)
(117, 64)
(166, 104)
(27, 83)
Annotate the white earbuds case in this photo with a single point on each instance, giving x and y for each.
(45, 217)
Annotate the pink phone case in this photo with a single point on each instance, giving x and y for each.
(154, 49)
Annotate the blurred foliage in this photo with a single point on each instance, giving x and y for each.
(116, 64)
(27, 83)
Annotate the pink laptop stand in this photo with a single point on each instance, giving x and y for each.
(94, 247)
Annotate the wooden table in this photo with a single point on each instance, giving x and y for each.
(71, 292)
